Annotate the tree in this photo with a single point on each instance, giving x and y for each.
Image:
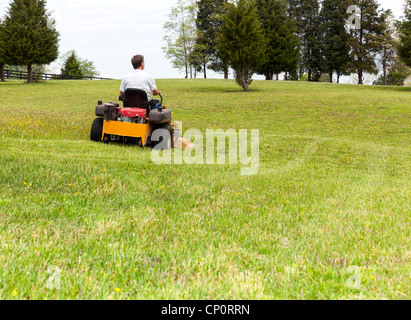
(397, 73)
(306, 16)
(242, 41)
(388, 52)
(334, 38)
(88, 68)
(404, 48)
(2, 58)
(365, 40)
(72, 67)
(209, 23)
(27, 38)
(282, 44)
(181, 35)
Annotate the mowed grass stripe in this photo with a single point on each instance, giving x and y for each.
(332, 191)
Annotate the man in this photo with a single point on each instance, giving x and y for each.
(138, 79)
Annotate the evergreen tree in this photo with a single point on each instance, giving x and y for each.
(404, 49)
(27, 38)
(242, 41)
(2, 58)
(365, 41)
(282, 43)
(306, 16)
(334, 38)
(388, 51)
(72, 67)
(80, 67)
(209, 23)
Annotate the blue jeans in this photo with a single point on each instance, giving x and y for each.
(154, 106)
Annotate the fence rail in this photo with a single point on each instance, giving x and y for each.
(14, 74)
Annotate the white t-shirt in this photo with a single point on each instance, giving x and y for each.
(138, 79)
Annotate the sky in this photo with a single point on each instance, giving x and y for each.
(110, 33)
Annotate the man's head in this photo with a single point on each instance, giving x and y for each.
(138, 61)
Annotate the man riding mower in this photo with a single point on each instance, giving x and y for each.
(136, 121)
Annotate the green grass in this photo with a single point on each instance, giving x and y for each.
(333, 191)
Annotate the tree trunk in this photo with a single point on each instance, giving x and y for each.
(384, 67)
(338, 78)
(2, 72)
(360, 74)
(276, 77)
(205, 70)
(331, 77)
(30, 74)
(309, 75)
(285, 76)
(360, 69)
(226, 73)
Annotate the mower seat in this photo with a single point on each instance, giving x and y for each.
(136, 98)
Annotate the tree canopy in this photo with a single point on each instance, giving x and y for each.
(27, 38)
(241, 41)
(404, 49)
(209, 23)
(181, 35)
(75, 66)
(282, 52)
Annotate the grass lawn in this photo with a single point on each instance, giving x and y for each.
(333, 191)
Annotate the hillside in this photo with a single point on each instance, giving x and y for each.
(333, 191)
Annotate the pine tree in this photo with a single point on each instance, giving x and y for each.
(282, 43)
(208, 25)
(334, 38)
(77, 67)
(365, 41)
(2, 58)
(242, 42)
(28, 39)
(404, 49)
(72, 67)
(388, 51)
(306, 16)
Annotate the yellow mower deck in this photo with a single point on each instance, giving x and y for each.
(125, 129)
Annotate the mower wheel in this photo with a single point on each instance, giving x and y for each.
(170, 141)
(97, 130)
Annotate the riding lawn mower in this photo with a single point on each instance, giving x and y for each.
(136, 121)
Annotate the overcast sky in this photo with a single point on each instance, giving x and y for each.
(109, 33)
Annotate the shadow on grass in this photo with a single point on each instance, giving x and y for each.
(392, 88)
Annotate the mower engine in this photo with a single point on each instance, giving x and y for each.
(132, 115)
(111, 111)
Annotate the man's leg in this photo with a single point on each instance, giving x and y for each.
(155, 105)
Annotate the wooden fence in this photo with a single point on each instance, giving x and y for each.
(13, 74)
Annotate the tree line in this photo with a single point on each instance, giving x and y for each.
(303, 39)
